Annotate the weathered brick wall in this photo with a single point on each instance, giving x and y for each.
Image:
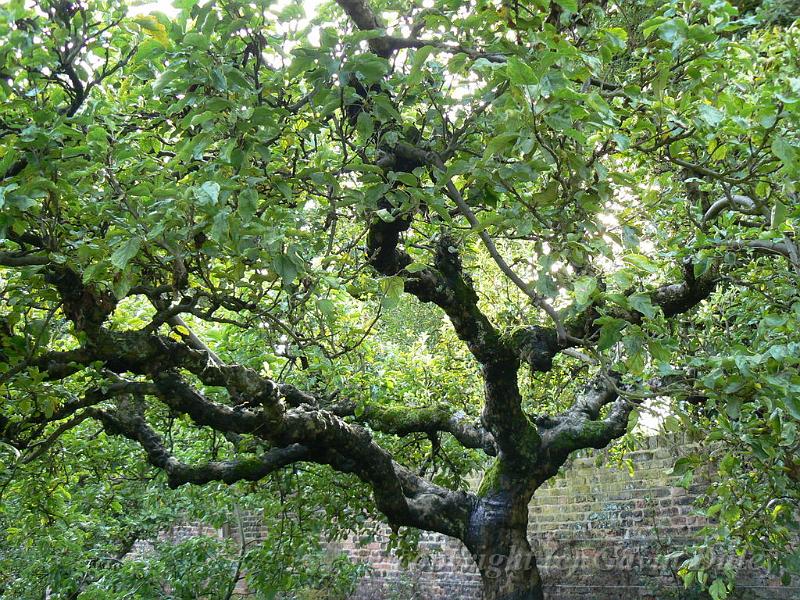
(598, 532)
(444, 570)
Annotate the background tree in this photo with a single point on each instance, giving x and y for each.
(230, 237)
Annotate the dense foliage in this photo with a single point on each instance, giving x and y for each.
(332, 260)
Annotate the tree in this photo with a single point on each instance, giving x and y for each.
(229, 218)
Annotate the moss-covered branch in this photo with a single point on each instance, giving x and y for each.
(581, 426)
(134, 427)
(398, 419)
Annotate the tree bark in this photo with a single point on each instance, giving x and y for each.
(498, 540)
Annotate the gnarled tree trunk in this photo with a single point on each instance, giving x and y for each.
(497, 538)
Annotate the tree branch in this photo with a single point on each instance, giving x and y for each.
(134, 427)
(580, 426)
(465, 210)
(365, 19)
(21, 259)
(678, 298)
(398, 419)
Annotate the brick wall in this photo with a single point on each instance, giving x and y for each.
(598, 532)
(597, 529)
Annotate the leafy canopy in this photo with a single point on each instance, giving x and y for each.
(603, 187)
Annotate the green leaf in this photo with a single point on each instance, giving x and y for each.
(208, 193)
(365, 124)
(152, 27)
(197, 40)
(122, 285)
(164, 80)
(778, 215)
(420, 56)
(683, 465)
(286, 268)
(546, 196)
(408, 179)
(659, 351)
(98, 135)
(700, 267)
(569, 5)
(520, 73)
(326, 307)
(718, 590)
(711, 115)
(610, 331)
(4, 190)
(237, 80)
(642, 303)
(248, 203)
(673, 31)
(786, 152)
(500, 142)
(584, 287)
(623, 278)
(392, 288)
(641, 262)
(219, 80)
(384, 215)
(793, 406)
(634, 347)
(369, 67)
(416, 267)
(733, 406)
(546, 286)
(220, 226)
(122, 255)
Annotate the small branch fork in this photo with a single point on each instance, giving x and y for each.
(538, 300)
